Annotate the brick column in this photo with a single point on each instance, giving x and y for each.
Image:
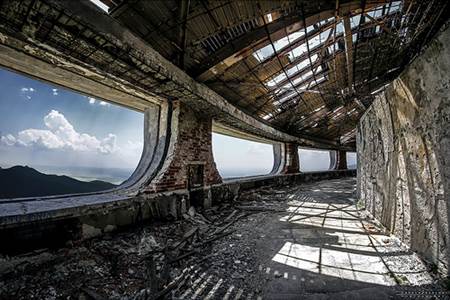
(189, 161)
(341, 160)
(291, 160)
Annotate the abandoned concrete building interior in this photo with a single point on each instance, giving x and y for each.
(370, 76)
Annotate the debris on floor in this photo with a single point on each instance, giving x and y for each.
(263, 245)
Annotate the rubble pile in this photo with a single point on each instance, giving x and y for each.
(161, 260)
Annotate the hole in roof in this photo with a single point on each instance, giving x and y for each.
(292, 86)
(267, 51)
(354, 21)
(318, 80)
(323, 22)
(318, 39)
(100, 5)
(267, 117)
(301, 66)
(395, 6)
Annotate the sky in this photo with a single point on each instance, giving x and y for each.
(47, 125)
(236, 157)
(43, 124)
(314, 160)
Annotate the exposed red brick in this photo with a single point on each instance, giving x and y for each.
(291, 159)
(191, 145)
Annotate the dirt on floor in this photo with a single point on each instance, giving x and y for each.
(307, 241)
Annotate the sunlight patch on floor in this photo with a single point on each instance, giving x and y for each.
(345, 265)
(333, 240)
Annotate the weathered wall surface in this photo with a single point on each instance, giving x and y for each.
(291, 160)
(403, 147)
(190, 144)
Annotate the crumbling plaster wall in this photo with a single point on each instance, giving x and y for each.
(190, 144)
(403, 145)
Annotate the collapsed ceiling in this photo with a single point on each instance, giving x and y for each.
(305, 67)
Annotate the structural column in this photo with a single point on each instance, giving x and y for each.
(292, 164)
(189, 161)
(341, 160)
(286, 159)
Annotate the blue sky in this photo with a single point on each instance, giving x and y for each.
(42, 124)
(46, 125)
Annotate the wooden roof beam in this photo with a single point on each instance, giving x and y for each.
(348, 51)
(242, 43)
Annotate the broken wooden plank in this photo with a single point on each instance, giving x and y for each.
(92, 294)
(186, 236)
(197, 246)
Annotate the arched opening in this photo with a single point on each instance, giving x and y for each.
(313, 160)
(237, 157)
(55, 141)
(352, 161)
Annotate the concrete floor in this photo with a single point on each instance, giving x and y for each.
(321, 247)
(302, 242)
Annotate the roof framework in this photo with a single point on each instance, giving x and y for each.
(307, 68)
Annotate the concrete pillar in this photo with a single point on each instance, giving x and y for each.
(278, 158)
(341, 160)
(189, 161)
(333, 160)
(157, 119)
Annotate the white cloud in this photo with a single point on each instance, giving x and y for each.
(40, 138)
(26, 89)
(93, 100)
(108, 144)
(55, 92)
(8, 140)
(26, 92)
(60, 135)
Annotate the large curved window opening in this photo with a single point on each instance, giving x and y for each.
(236, 157)
(351, 160)
(314, 160)
(54, 141)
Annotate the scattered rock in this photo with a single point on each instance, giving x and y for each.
(191, 211)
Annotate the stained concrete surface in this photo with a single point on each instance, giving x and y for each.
(306, 241)
(403, 150)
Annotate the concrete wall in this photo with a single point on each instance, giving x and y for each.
(403, 144)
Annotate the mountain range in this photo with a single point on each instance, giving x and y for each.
(23, 181)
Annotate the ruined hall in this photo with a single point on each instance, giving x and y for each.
(364, 83)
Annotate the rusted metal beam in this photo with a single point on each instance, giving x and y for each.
(348, 51)
(242, 43)
(380, 23)
(182, 13)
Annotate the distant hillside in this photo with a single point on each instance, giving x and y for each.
(19, 181)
